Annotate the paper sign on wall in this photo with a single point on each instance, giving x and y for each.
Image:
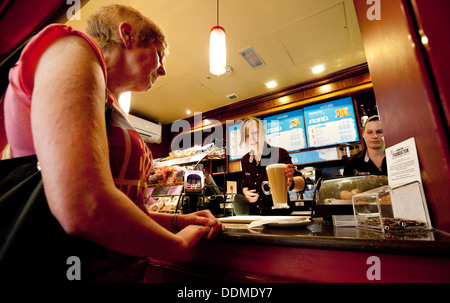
(231, 187)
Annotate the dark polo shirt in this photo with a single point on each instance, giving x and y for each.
(359, 164)
(255, 173)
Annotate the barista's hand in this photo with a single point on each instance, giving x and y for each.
(250, 195)
(289, 172)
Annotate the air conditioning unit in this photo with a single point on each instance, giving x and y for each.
(149, 131)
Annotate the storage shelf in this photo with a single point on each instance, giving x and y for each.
(187, 160)
(164, 184)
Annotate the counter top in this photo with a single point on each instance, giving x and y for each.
(321, 234)
(316, 252)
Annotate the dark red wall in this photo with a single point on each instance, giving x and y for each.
(408, 99)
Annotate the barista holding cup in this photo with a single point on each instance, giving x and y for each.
(254, 165)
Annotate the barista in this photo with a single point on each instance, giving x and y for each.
(372, 159)
(254, 165)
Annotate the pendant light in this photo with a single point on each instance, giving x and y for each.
(217, 48)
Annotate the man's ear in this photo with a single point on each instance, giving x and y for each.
(126, 34)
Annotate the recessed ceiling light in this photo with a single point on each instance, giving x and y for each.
(271, 84)
(188, 112)
(318, 69)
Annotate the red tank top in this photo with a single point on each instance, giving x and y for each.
(130, 157)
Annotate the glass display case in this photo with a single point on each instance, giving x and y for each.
(184, 181)
(400, 208)
(333, 196)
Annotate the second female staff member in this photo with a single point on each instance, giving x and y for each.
(372, 159)
(254, 165)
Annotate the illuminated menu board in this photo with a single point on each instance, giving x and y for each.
(329, 123)
(317, 155)
(332, 122)
(286, 130)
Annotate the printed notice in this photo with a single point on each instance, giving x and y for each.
(407, 197)
(403, 163)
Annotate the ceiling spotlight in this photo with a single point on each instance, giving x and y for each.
(318, 69)
(188, 112)
(271, 84)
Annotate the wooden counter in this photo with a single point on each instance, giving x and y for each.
(319, 252)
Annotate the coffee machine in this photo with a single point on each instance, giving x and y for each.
(304, 200)
(310, 174)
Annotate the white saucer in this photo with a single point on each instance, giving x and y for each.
(280, 222)
(288, 223)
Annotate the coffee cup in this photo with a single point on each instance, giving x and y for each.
(278, 185)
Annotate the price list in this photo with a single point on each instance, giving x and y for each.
(331, 123)
(286, 130)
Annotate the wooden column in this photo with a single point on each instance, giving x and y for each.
(409, 99)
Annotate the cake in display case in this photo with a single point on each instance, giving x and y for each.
(333, 196)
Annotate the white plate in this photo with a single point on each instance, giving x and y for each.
(239, 219)
(287, 224)
(280, 222)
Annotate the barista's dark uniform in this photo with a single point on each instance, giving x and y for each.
(255, 173)
(360, 164)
